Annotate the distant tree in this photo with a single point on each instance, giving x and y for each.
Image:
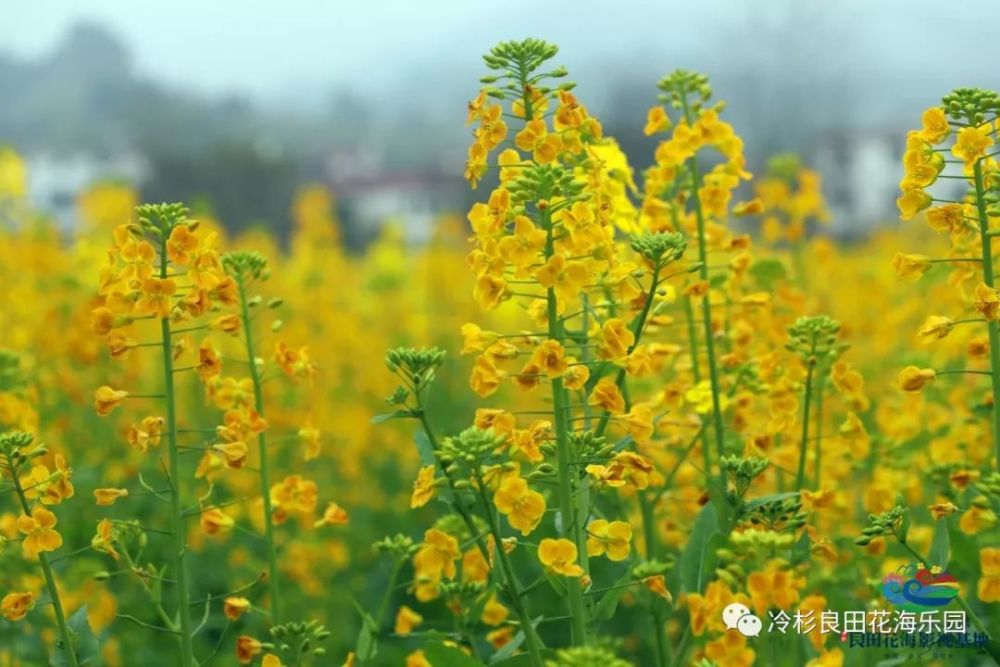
(244, 184)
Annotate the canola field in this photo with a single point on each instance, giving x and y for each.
(604, 418)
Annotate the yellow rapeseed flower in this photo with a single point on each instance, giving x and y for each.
(107, 399)
(611, 538)
(914, 379)
(559, 556)
(15, 606)
(109, 496)
(935, 327)
(657, 120)
(522, 506)
(234, 607)
(39, 532)
(406, 621)
(988, 589)
(911, 266)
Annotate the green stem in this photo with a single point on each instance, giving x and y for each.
(706, 307)
(800, 479)
(585, 356)
(992, 327)
(661, 639)
(567, 510)
(530, 634)
(819, 428)
(637, 328)
(265, 476)
(648, 524)
(153, 596)
(176, 505)
(383, 606)
(706, 455)
(682, 646)
(50, 582)
(649, 535)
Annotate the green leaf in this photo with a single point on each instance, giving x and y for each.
(767, 272)
(940, 544)
(520, 660)
(87, 646)
(718, 280)
(801, 549)
(476, 610)
(398, 414)
(608, 605)
(424, 449)
(770, 498)
(367, 646)
(698, 558)
(440, 655)
(506, 653)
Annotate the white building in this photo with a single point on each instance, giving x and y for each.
(54, 181)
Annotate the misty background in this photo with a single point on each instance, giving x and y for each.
(231, 106)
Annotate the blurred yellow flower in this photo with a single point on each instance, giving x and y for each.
(15, 606)
(911, 266)
(935, 327)
(109, 496)
(406, 620)
(234, 607)
(107, 399)
(914, 379)
(988, 589)
(657, 120)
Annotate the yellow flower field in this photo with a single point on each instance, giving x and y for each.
(605, 418)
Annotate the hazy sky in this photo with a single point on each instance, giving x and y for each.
(294, 50)
(229, 45)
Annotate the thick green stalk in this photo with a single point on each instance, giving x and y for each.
(706, 455)
(706, 306)
(273, 582)
(646, 507)
(176, 508)
(383, 606)
(800, 478)
(819, 426)
(682, 647)
(992, 327)
(560, 401)
(567, 509)
(50, 583)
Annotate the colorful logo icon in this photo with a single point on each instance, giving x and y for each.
(913, 588)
